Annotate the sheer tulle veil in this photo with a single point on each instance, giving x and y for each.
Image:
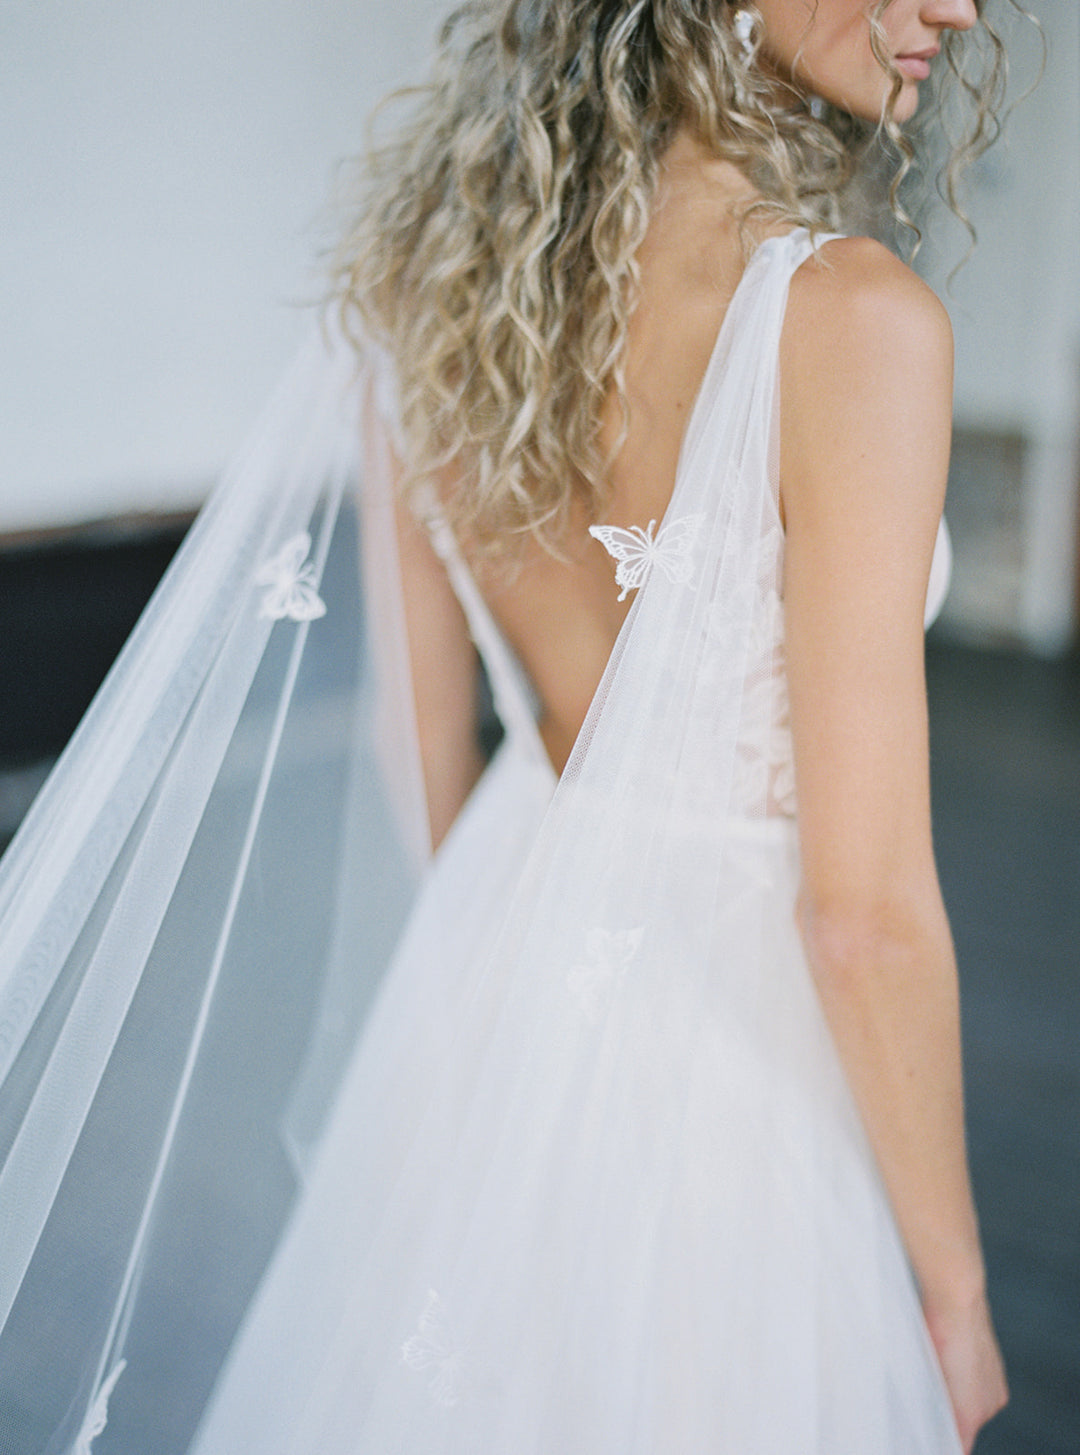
(313, 1142)
(192, 919)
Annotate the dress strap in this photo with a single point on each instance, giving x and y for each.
(514, 696)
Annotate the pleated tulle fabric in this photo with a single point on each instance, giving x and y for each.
(538, 1146)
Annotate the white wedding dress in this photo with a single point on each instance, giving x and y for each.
(592, 1182)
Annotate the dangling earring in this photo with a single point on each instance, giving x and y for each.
(742, 23)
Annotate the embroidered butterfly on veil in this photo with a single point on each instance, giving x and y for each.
(290, 582)
(637, 551)
(436, 1348)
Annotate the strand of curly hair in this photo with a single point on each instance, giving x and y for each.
(494, 251)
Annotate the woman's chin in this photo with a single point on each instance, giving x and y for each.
(907, 103)
(874, 106)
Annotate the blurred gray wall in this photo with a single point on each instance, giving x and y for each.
(1015, 306)
(164, 169)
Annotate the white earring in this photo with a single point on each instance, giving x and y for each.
(742, 23)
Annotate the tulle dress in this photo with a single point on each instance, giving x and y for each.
(592, 1181)
(595, 1182)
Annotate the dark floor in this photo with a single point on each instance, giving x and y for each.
(1006, 764)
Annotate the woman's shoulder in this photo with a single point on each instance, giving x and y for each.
(866, 378)
(852, 292)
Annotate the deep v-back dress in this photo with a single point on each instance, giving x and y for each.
(594, 1184)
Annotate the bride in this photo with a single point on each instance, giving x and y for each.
(617, 1061)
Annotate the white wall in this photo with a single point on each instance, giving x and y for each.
(163, 173)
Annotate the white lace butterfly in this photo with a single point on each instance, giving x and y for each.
(637, 551)
(289, 578)
(608, 957)
(436, 1348)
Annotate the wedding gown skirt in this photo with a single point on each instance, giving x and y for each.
(656, 1230)
(591, 1181)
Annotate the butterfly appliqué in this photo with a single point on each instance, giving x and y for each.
(608, 957)
(435, 1347)
(637, 551)
(97, 1417)
(289, 578)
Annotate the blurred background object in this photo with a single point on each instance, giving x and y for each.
(164, 178)
(1015, 306)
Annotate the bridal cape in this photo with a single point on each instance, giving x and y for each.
(314, 1142)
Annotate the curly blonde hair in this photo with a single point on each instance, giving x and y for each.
(494, 250)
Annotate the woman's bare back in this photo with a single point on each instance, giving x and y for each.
(562, 616)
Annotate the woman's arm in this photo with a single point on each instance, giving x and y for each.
(866, 371)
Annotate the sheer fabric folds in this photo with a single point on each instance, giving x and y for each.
(184, 952)
(315, 1143)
